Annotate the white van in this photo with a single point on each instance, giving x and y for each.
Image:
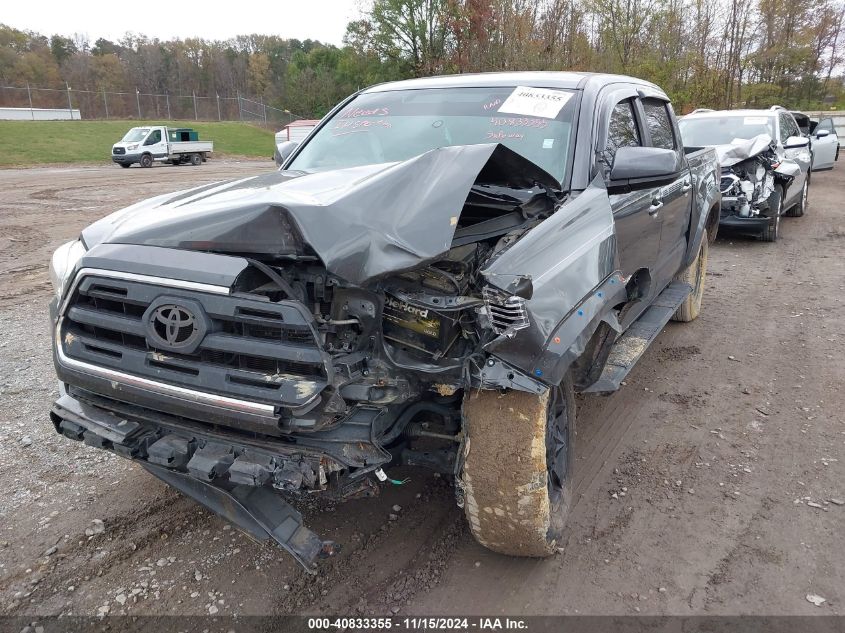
(144, 145)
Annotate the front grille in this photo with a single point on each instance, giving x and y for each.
(507, 313)
(118, 151)
(267, 352)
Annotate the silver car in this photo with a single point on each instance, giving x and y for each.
(792, 157)
(824, 142)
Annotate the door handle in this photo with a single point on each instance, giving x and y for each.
(656, 205)
(687, 186)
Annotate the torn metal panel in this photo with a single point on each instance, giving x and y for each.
(742, 149)
(583, 229)
(355, 219)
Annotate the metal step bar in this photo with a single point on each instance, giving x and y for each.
(633, 343)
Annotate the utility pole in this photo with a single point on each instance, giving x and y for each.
(240, 111)
(138, 101)
(69, 104)
(105, 102)
(196, 116)
(167, 96)
(29, 94)
(219, 118)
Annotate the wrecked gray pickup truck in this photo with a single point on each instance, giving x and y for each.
(426, 281)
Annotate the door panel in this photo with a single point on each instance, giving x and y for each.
(156, 144)
(637, 229)
(675, 195)
(636, 219)
(800, 155)
(824, 149)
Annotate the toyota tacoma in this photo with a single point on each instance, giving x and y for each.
(427, 280)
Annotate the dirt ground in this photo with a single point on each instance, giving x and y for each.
(711, 483)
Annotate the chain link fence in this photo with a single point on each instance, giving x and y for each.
(90, 104)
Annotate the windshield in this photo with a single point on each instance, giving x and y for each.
(711, 130)
(136, 134)
(386, 127)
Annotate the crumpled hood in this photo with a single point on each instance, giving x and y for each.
(362, 222)
(742, 149)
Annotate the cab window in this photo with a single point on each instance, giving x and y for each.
(153, 138)
(621, 132)
(659, 124)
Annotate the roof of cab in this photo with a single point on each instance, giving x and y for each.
(563, 80)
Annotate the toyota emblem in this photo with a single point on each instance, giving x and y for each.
(173, 326)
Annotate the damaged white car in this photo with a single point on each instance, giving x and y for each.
(765, 166)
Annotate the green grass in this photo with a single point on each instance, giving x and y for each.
(43, 142)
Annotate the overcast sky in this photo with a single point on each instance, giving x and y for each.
(323, 20)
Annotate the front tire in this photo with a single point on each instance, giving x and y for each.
(798, 210)
(772, 230)
(125, 165)
(694, 275)
(517, 474)
(146, 160)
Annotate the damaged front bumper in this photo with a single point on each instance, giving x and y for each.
(753, 224)
(196, 463)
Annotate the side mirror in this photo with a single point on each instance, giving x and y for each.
(638, 163)
(795, 142)
(283, 150)
(822, 133)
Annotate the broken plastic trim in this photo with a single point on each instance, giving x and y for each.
(258, 511)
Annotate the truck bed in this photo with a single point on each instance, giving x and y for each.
(191, 147)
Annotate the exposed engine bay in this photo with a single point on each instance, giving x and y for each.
(750, 171)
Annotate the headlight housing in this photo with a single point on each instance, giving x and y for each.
(62, 264)
(131, 147)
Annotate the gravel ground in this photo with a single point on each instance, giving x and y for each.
(711, 483)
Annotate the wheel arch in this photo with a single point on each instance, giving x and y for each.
(712, 223)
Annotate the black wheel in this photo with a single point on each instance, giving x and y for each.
(196, 159)
(175, 162)
(798, 210)
(124, 165)
(146, 160)
(772, 230)
(518, 468)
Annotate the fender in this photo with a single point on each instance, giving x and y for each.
(706, 193)
(571, 294)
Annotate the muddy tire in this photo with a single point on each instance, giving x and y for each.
(146, 160)
(125, 165)
(694, 275)
(196, 160)
(517, 473)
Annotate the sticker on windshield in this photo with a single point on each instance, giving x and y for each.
(535, 102)
(755, 120)
(548, 143)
